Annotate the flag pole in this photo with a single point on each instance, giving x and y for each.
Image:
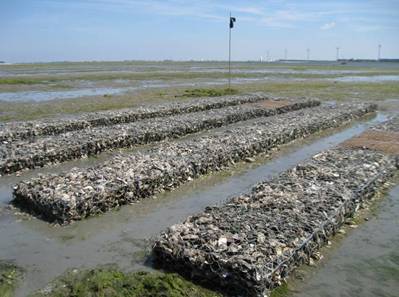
(230, 52)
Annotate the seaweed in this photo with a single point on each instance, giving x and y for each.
(10, 274)
(109, 281)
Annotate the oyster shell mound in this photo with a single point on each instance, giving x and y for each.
(29, 154)
(250, 244)
(126, 178)
(28, 129)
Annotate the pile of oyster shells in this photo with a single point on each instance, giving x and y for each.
(26, 130)
(392, 125)
(126, 178)
(21, 154)
(251, 243)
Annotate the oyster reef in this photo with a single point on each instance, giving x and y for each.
(249, 245)
(126, 178)
(22, 154)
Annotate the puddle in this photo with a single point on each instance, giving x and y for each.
(120, 236)
(38, 96)
(366, 263)
(372, 78)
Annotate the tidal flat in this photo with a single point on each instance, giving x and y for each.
(31, 91)
(54, 260)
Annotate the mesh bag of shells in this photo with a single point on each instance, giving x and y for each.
(392, 125)
(251, 243)
(18, 155)
(25, 130)
(126, 178)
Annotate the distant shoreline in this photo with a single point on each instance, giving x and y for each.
(390, 60)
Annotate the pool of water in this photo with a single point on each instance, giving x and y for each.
(368, 79)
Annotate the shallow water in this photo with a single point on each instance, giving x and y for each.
(121, 237)
(59, 95)
(368, 79)
(38, 96)
(366, 263)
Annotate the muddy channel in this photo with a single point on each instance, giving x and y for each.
(363, 263)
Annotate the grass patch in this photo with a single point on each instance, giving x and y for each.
(208, 92)
(110, 282)
(281, 291)
(25, 81)
(9, 276)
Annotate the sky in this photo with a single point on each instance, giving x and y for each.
(87, 30)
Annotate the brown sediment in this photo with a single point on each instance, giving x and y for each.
(272, 103)
(384, 141)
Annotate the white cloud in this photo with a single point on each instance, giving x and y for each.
(328, 26)
(270, 13)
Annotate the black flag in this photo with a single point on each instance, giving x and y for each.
(232, 21)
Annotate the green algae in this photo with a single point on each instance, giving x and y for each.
(208, 92)
(281, 291)
(110, 282)
(9, 277)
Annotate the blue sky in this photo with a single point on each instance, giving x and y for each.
(57, 30)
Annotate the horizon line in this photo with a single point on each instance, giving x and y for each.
(204, 60)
